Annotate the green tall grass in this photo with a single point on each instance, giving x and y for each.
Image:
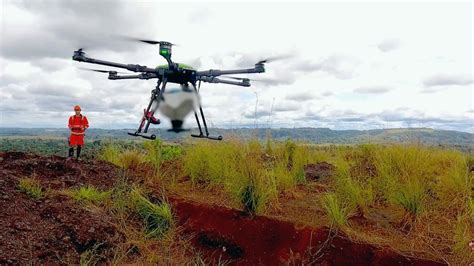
(110, 153)
(405, 174)
(336, 209)
(158, 218)
(156, 153)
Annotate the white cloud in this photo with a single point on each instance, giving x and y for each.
(447, 79)
(373, 89)
(389, 45)
(334, 48)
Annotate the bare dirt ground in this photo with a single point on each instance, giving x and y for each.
(51, 230)
(56, 230)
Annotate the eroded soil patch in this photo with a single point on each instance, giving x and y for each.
(229, 234)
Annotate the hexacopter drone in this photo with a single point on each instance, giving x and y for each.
(173, 72)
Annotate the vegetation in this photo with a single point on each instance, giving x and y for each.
(89, 194)
(429, 189)
(335, 209)
(31, 187)
(158, 218)
(424, 136)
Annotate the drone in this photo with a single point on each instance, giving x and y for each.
(186, 76)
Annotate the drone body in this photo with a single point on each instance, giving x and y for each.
(175, 105)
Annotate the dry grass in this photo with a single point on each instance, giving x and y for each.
(418, 198)
(31, 187)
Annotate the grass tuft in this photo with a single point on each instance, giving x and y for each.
(31, 187)
(158, 218)
(335, 210)
(89, 194)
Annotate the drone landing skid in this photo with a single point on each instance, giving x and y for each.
(143, 135)
(206, 137)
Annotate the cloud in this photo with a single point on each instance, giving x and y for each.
(399, 117)
(300, 97)
(389, 45)
(373, 89)
(327, 93)
(447, 80)
(39, 82)
(260, 114)
(54, 28)
(200, 16)
(286, 107)
(339, 66)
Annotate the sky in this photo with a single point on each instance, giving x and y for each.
(355, 65)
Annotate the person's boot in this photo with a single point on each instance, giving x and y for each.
(71, 152)
(78, 151)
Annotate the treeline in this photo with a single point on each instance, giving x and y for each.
(444, 138)
(59, 147)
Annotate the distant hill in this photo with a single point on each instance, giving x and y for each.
(313, 135)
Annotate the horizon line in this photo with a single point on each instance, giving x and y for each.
(252, 128)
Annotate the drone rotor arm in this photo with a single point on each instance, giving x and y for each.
(139, 76)
(79, 56)
(243, 83)
(259, 68)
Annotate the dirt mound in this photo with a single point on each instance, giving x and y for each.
(52, 230)
(57, 173)
(319, 171)
(229, 234)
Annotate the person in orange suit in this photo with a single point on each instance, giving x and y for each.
(77, 124)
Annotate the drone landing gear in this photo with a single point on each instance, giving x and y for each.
(206, 137)
(143, 135)
(201, 134)
(148, 117)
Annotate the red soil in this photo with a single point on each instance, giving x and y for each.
(232, 235)
(317, 171)
(52, 230)
(57, 173)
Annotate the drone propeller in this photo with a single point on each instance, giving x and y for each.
(102, 71)
(274, 58)
(147, 41)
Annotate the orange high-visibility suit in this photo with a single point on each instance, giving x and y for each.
(77, 124)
